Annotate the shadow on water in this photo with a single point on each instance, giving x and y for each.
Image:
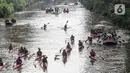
(17, 33)
(24, 15)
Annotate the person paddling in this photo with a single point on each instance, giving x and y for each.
(92, 54)
(18, 61)
(45, 26)
(44, 60)
(65, 27)
(10, 47)
(25, 51)
(21, 50)
(68, 46)
(67, 10)
(72, 38)
(64, 54)
(39, 54)
(64, 10)
(90, 39)
(80, 44)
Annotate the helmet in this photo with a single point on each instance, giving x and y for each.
(39, 49)
(64, 50)
(24, 47)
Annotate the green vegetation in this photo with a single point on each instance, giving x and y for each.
(8, 7)
(106, 8)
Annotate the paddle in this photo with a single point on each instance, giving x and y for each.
(34, 64)
(4, 66)
(34, 61)
(76, 25)
(55, 58)
(67, 22)
(31, 56)
(7, 65)
(79, 24)
(48, 23)
(87, 47)
(61, 49)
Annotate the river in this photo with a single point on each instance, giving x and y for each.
(27, 32)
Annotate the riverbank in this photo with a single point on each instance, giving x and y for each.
(9, 7)
(128, 55)
(106, 8)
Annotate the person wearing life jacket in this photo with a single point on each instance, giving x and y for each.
(64, 53)
(51, 9)
(80, 44)
(65, 27)
(18, 61)
(21, 50)
(92, 53)
(67, 10)
(90, 39)
(1, 62)
(64, 10)
(72, 37)
(68, 46)
(10, 47)
(25, 51)
(39, 52)
(44, 60)
(64, 56)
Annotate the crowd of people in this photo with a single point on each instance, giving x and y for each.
(22, 52)
(43, 58)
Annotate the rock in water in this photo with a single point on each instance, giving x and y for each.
(13, 20)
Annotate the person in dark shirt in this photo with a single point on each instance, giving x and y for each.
(39, 53)
(1, 62)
